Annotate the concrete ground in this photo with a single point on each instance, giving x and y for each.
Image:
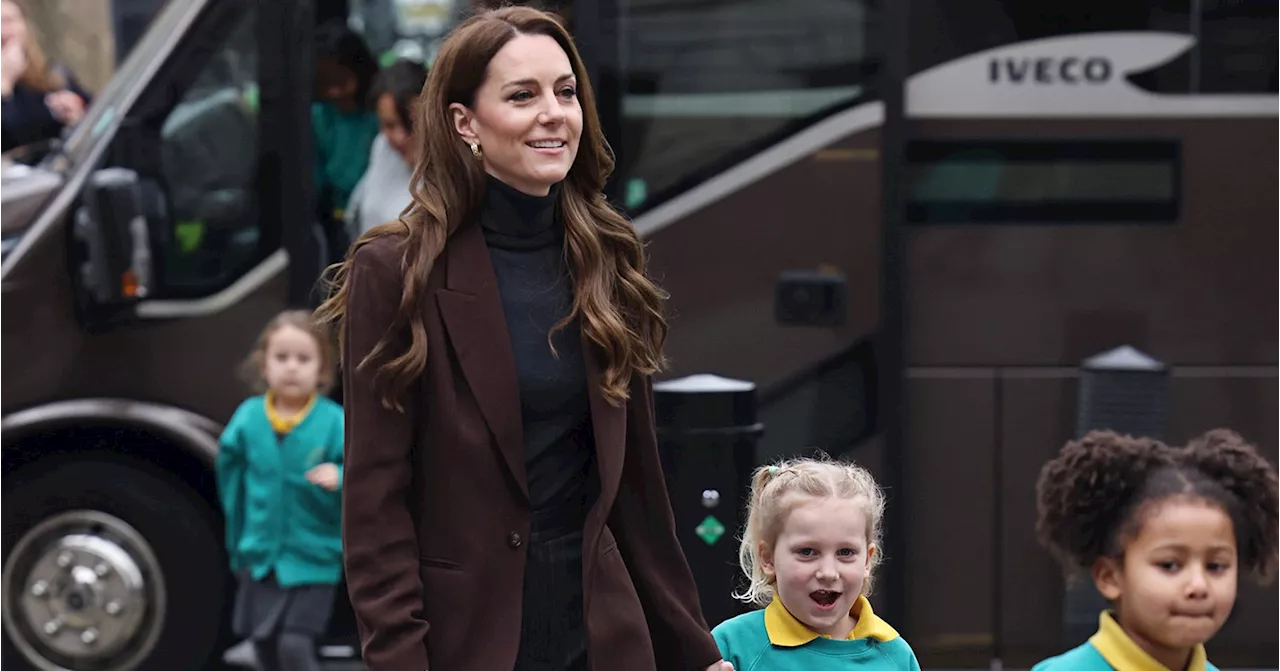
(242, 657)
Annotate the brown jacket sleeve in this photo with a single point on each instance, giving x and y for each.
(643, 524)
(379, 537)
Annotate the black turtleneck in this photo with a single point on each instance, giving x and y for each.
(525, 235)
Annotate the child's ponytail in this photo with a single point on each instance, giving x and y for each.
(1235, 465)
(759, 590)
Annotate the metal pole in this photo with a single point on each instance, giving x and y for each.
(1126, 391)
(891, 341)
(707, 433)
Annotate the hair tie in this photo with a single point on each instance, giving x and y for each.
(773, 470)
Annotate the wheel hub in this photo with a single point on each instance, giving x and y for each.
(83, 589)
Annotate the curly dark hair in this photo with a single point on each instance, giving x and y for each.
(1093, 496)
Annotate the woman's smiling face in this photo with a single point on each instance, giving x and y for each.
(526, 117)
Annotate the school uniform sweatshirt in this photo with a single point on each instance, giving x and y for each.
(276, 520)
(774, 640)
(1112, 650)
(342, 144)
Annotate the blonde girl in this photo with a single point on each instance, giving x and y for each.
(279, 479)
(811, 544)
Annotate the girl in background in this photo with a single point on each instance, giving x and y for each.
(279, 475)
(383, 192)
(342, 124)
(1165, 533)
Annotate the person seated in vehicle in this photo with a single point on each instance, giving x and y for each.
(39, 99)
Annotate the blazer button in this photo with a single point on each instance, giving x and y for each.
(513, 539)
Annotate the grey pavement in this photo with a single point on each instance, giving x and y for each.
(241, 656)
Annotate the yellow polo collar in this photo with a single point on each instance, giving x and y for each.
(785, 630)
(1121, 652)
(283, 425)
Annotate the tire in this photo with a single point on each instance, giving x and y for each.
(157, 607)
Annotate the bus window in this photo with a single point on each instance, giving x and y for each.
(942, 31)
(710, 83)
(412, 29)
(1236, 48)
(1039, 181)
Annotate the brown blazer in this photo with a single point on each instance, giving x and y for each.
(435, 507)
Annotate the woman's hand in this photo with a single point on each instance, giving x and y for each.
(720, 666)
(66, 106)
(325, 475)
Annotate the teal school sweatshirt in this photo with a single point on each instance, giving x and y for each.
(774, 640)
(276, 520)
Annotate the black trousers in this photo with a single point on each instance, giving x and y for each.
(553, 635)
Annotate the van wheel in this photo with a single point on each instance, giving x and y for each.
(109, 565)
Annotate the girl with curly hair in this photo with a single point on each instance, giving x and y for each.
(1165, 532)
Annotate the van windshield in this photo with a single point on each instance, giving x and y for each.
(167, 27)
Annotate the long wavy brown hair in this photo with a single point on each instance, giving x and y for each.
(619, 308)
(40, 75)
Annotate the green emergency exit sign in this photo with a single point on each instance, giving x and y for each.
(710, 530)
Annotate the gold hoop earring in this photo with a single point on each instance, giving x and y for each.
(476, 151)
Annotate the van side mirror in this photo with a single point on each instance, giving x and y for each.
(115, 265)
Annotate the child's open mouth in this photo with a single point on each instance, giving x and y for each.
(825, 598)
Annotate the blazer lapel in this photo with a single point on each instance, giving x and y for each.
(472, 312)
(609, 424)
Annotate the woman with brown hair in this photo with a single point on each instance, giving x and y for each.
(39, 100)
(504, 503)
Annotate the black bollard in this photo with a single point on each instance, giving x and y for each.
(1126, 391)
(707, 433)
